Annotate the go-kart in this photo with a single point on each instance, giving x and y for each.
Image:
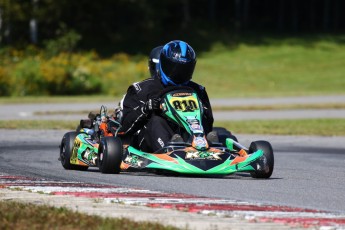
(98, 142)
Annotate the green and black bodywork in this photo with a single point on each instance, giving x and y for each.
(196, 155)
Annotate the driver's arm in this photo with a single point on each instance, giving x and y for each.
(134, 117)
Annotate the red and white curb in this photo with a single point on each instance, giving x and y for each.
(253, 212)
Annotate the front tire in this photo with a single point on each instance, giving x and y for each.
(264, 165)
(66, 149)
(110, 155)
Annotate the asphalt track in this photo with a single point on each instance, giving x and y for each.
(309, 171)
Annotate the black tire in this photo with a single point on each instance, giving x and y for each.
(266, 164)
(66, 149)
(223, 133)
(110, 155)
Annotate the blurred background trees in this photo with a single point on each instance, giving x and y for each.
(135, 26)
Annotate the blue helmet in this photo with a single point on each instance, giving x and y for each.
(176, 63)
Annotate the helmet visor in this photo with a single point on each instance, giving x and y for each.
(178, 71)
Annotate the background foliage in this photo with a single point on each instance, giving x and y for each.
(135, 26)
(79, 47)
(67, 73)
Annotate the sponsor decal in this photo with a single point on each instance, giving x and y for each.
(76, 146)
(194, 124)
(181, 94)
(90, 157)
(137, 86)
(200, 142)
(134, 161)
(196, 155)
(195, 127)
(160, 142)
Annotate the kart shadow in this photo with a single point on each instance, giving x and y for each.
(242, 176)
(247, 176)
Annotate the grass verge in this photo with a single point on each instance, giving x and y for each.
(59, 99)
(320, 127)
(39, 124)
(279, 107)
(282, 69)
(18, 216)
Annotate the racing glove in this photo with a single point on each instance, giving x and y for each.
(151, 105)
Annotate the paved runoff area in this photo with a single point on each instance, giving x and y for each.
(180, 210)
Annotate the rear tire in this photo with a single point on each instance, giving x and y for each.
(66, 149)
(265, 164)
(110, 155)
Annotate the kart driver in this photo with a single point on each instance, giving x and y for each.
(175, 67)
(154, 60)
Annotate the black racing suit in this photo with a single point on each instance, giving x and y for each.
(155, 130)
